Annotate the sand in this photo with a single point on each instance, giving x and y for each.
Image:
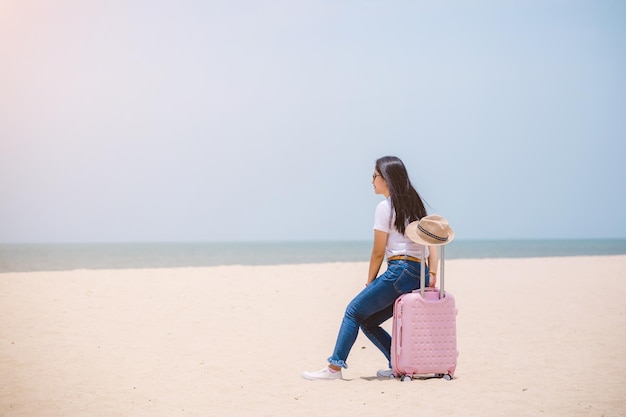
(541, 336)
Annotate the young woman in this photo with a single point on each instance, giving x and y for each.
(374, 304)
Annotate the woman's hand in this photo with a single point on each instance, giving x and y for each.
(433, 265)
(432, 280)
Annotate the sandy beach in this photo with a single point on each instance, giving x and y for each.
(539, 336)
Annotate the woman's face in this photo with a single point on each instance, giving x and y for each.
(380, 185)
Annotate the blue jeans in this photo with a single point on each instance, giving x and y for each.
(373, 306)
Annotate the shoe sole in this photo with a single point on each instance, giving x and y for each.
(310, 378)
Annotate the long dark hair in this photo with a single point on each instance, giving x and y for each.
(405, 200)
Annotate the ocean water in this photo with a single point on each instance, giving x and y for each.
(55, 257)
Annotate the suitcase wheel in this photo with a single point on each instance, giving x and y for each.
(406, 378)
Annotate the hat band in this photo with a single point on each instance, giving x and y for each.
(442, 239)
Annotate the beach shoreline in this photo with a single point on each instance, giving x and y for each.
(535, 335)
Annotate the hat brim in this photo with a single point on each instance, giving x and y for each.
(413, 233)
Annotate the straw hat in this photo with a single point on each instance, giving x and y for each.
(431, 230)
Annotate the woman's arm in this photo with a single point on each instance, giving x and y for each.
(378, 254)
(433, 265)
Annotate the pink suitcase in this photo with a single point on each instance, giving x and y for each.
(423, 338)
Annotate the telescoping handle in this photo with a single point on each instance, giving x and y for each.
(423, 271)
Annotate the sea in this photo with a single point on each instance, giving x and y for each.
(74, 256)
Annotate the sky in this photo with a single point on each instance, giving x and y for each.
(226, 120)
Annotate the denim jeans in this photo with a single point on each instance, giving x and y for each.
(373, 306)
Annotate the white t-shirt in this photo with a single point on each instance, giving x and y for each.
(397, 244)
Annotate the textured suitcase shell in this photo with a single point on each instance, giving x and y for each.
(424, 332)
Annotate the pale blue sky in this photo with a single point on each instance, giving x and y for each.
(248, 120)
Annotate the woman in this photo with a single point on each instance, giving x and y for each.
(374, 304)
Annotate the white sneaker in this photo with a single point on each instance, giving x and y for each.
(323, 374)
(385, 373)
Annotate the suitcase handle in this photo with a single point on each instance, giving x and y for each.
(423, 271)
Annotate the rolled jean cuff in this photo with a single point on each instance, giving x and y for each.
(339, 363)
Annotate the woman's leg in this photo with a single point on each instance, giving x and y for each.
(378, 296)
(376, 334)
(368, 310)
(405, 278)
